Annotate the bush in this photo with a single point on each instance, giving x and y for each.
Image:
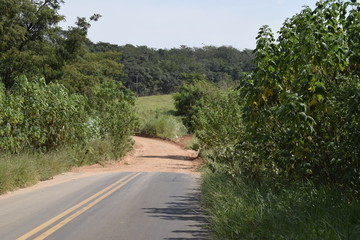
(163, 126)
(301, 105)
(299, 109)
(50, 131)
(114, 107)
(40, 116)
(190, 96)
(219, 122)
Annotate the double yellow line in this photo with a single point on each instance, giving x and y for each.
(77, 209)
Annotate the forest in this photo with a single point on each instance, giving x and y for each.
(278, 126)
(161, 71)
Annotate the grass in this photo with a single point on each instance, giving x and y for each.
(22, 170)
(27, 168)
(155, 104)
(157, 119)
(301, 211)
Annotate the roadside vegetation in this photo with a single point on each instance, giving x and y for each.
(157, 117)
(282, 148)
(45, 130)
(60, 106)
(241, 210)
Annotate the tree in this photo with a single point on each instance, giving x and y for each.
(91, 70)
(301, 105)
(191, 96)
(31, 43)
(150, 71)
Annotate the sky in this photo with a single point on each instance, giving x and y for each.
(172, 23)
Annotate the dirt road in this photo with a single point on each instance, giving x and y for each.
(152, 155)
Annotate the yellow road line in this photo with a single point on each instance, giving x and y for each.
(124, 180)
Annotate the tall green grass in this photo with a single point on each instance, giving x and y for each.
(297, 212)
(156, 114)
(27, 168)
(155, 104)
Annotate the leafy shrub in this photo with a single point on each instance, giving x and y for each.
(299, 109)
(164, 126)
(301, 104)
(190, 96)
(114, 107)
(219, 122)
(37, 117)
(193, 144)
(40, 116)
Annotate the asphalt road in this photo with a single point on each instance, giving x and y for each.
(117, 205)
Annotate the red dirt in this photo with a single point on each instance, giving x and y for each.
(152, 155)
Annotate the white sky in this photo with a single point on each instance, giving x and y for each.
(171, 23)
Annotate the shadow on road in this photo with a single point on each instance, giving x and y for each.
(184, 208)
(173, 157)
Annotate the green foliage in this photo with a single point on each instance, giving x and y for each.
(218, 129)
(193, 144)
(301, 105)
(299, 109)
(24, 26)
(32, 44)
(151, 72)
(190, 97)
(219, 122)
(299, 212)
(157, 118)
(114, 108)
(81, 110)
(163, 126)
(40, 116)
(90, 71)
(45, 117)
